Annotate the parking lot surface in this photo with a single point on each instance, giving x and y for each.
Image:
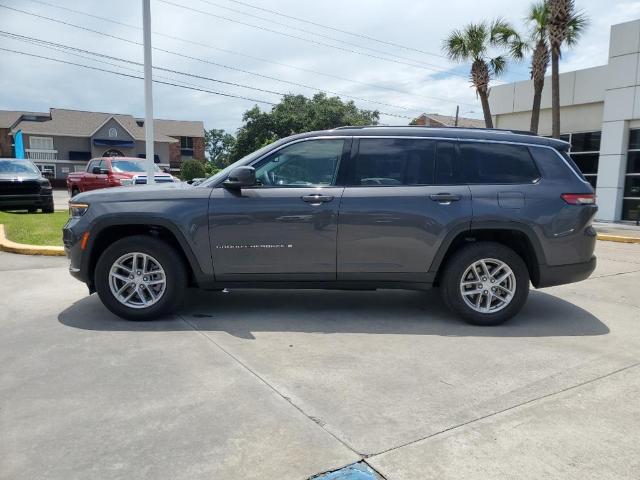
(290, 384)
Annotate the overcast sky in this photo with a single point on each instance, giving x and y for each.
(432, 84)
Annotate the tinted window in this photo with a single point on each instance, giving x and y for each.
(634, 139)
(498, 163)
(393, 161)
(585, 142)
(449, 167)
(309, 163)
(587, 162)
(633, 162)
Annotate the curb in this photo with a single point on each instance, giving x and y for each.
(617, 238)
(7, 245)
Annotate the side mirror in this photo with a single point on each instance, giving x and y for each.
(95, 170)
(241, 177)
(166, 170)
(104, 171)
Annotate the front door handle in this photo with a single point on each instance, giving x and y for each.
(445, 198)
(317, 198)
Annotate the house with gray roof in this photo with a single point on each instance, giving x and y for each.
(437, 120)
(61, 141)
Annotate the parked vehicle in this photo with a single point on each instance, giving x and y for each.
(113, 172)
(479, 213)
(22, 187)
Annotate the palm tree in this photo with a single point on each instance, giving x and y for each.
(476, 43)
(537, 19)
(565, 25)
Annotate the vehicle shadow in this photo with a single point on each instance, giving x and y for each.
(385, 312)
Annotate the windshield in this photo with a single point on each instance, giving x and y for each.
(18, 166)
(131, 166)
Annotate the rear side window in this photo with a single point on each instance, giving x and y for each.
(551, 164)
(395, 161)
(497, 163)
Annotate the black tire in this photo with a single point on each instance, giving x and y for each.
(74, 191)
(463, 259)
(32, 209)
(48, 208)
(168, 258)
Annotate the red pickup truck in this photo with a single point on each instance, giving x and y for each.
(113, 172)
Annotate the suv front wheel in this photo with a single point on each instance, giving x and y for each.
(486, 283)
(140, 278)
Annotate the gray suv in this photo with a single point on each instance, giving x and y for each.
(480, 214)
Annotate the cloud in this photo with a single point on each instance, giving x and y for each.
(37, 84)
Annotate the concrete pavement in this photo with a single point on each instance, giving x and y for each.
(288, 384)
(60, 199)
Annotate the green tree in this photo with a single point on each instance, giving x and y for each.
(565, 25)
(297, 114)
(487, 46)
(218, 145)
(191, 169)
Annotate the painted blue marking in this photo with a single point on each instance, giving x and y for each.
(357, 471)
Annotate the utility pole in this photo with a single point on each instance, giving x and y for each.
(148, 90)
(457, 115)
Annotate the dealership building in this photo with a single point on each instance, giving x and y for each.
(600, 117)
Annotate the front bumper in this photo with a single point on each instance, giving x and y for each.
(562, 274)
(25, 201)
(71, 236)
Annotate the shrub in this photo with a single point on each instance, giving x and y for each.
(191, 169)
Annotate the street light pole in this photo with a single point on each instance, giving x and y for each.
(148, 90)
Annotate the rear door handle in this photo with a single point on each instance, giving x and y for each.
(445, 198)
(317, 198)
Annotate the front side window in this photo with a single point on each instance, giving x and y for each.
(303, 164)
(496, 163)
(395, 161)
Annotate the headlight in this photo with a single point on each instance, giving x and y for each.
(78, 209)
(44, 183)
(126, 181)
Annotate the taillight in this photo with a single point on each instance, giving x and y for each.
(579, 198)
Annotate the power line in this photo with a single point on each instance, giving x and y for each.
(104, 62)
(328, 37)
(182, 55)
(277, 32)
(45, 42)
(90, 67)
(347, 32)
(199, 89)
(253, 57)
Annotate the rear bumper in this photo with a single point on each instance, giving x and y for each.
(562, 274)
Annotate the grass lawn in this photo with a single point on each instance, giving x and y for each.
(34, 228)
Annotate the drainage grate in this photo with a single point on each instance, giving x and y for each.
(357, 471)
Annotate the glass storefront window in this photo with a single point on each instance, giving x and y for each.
(631, 201)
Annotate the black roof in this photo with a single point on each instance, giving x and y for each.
(445, 132)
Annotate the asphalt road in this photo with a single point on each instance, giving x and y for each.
(288, 384)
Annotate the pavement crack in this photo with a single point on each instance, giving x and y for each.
(504, 410)
(315, 420)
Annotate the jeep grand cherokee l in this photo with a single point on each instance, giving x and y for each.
(479, 213)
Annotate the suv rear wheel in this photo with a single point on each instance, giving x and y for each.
(486, 283)
(140, 278)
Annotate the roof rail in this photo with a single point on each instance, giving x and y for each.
(496, 130)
